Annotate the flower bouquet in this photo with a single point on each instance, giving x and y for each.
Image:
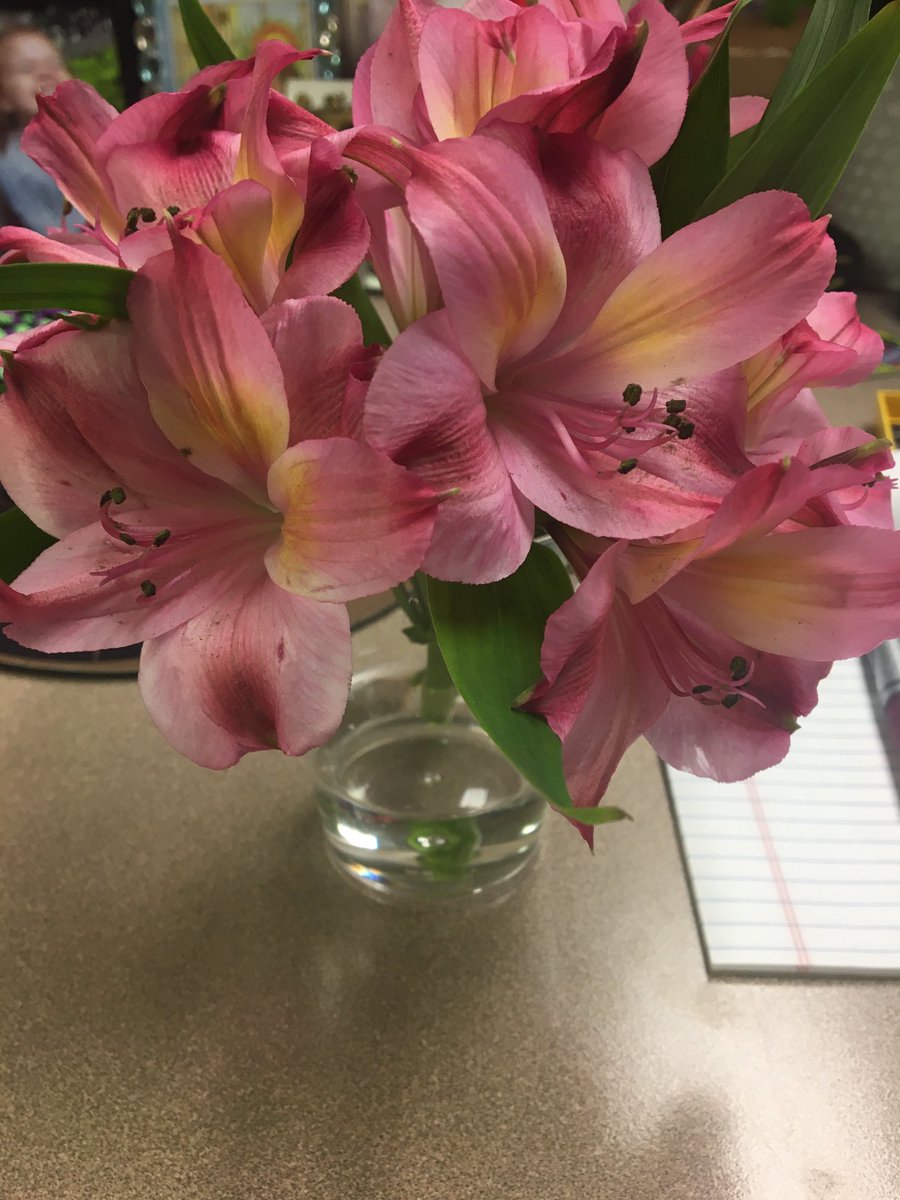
(589, 461)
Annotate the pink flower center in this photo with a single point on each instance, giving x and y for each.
(688, 669)
(159, 560)
(589, 434)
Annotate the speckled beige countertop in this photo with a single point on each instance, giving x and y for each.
(194, 1007)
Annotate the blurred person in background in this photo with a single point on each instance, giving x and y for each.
(30, 66)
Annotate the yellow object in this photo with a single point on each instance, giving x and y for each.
(889, 413)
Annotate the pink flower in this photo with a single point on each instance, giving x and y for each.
(439, 73)
(237, 165)
(234, 520)
(773, 413)
(559, 300)
(712, 643)
(830, 348)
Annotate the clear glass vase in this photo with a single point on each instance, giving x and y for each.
(416, 801)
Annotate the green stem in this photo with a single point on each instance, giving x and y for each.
(352, 292)
(403, 598)
(438, 689)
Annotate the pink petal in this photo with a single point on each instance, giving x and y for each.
(63, 138)
(779, 373)
(761, 500)
(17, 245)
(388, 78)
(609, 56)
(334, 237)
(601, 691)
(593, 12)
(709, 26)
(770, 495)
(289, 126)
(318, 341)
(714, 293)
(401, 263)
(355, 523)
(362, 82)
(835, 320)
(592, 496)
(84, 593)
(236, 226)
(733, 743)
(746, 111)
(215, 384)
(46, 465)
(160, 174)
(139, 247)
(866, 503)
(360, 378)
(818, 594)
(605, 218)
(170, 149)
(709, 462)
(76, 422)
(482, 215)
(257, 158)
(468, 67)
(425, 409)
(259, 669)
(647, 116)
(777, 430)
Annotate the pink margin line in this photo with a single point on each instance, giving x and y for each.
(784, 895)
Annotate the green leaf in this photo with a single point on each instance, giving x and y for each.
(807, 146)
(593, 816)
(207, 44)
(740, 144)
(783, 12)
(830, 26)
(80, 286)
(20, 543)
(353, 293)
(490, 636)
(698, 158)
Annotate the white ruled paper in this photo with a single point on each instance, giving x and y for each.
(798, 869)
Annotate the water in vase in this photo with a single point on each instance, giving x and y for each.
(430, 809)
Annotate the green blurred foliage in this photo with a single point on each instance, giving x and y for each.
(101, 71)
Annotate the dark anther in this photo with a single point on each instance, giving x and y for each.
(131, 220)
(117, 495)
(730, 701)
(162, 536)
(701, 688)
(629, 428)
(738, 667)
(105, 498)
(173, 210)
(148, 588)
(685, 430)
(676, 406)
(674, 421)
(147, 214)
(632, 394)
(627, 465)
(186, 451)
(127, 539)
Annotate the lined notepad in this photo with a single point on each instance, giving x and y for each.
(798, 869)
